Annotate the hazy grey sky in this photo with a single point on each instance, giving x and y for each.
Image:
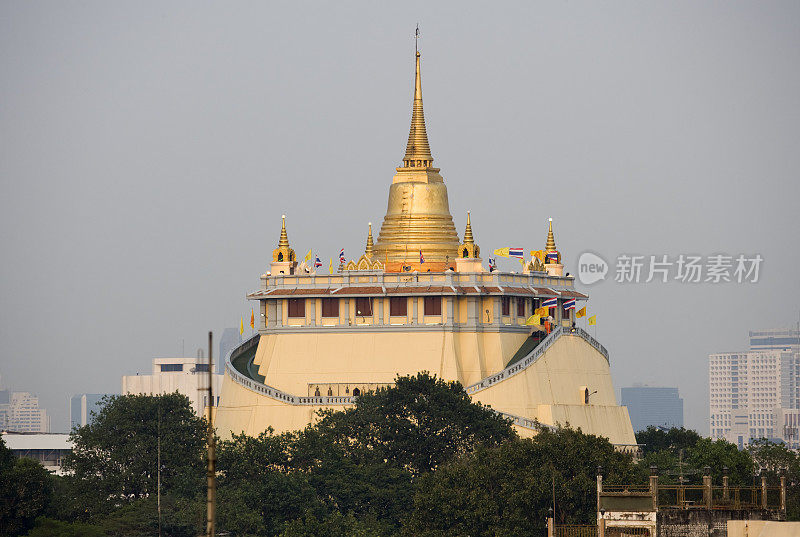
(148, 149)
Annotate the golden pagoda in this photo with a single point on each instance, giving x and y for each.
(418, 221)
(324, 339)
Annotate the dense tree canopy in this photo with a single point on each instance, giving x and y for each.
(114, 459)
(419, 458)
(508, 489)
(25, 492)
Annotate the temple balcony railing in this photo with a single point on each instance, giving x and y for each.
(534, 355)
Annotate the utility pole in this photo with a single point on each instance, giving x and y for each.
(211, 502)
(159, 466)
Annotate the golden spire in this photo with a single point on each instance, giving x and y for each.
(418, 152)
(551, 240)
(468, 238)
(283, 252)
(284, 240)
(369, 250)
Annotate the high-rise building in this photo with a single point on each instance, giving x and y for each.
(23, 414)
(756, 393)
(650, 405)
(81, 407)
(5, 409)
(188, 376)
(777, 339)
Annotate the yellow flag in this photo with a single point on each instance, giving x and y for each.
(534, 320)
(538, 254)
(593, 319)
(330, 266)
(581, 312)
(308, 256)
(502, 252)
(252, 319)
(522, 262)
(241, 326)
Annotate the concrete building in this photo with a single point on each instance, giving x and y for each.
(81, 407)
(420, 299)
(188, 376)
(21, 413)
(756, 393)
(649, 405)
(777, 339)
(47, 448)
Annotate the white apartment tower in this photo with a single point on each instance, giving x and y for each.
(188, 376)
(756, 393)
(23, 414)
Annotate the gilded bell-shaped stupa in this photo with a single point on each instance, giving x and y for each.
(418, 224)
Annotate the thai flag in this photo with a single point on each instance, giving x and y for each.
(516, 252)
(552, 255)
(550, 303)
(569, 304)
(317, 262)
(341, 255)
(492, 262)
(421, 259)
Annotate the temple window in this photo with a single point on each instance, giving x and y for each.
(466, 253)
(398, 306)
(330, 307)
(297, 307)
(520, 307)
(356, 392)
(364, 307)
(505, 303)
(433, 305)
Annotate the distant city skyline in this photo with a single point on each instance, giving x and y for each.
(148, 156)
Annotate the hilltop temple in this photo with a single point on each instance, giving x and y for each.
(419, 299)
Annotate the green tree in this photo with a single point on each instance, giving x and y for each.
(417, 425)
(25, 492)
(718, 454)
(775, 460)
(114, 459)
(48, 527)
(673, 440)
(508, 489)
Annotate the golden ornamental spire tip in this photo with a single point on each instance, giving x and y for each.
(418, 151)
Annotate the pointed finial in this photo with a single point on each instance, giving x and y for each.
(418, 151)
(551, 240)
(468, 238)
(284, 240)
(369, 251)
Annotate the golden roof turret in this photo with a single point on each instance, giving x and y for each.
(370, 250)
(418, 213)
(550, 247)
(283, 252)
(551, 240)
(468, 248)
(468, 238)
(418, 151)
